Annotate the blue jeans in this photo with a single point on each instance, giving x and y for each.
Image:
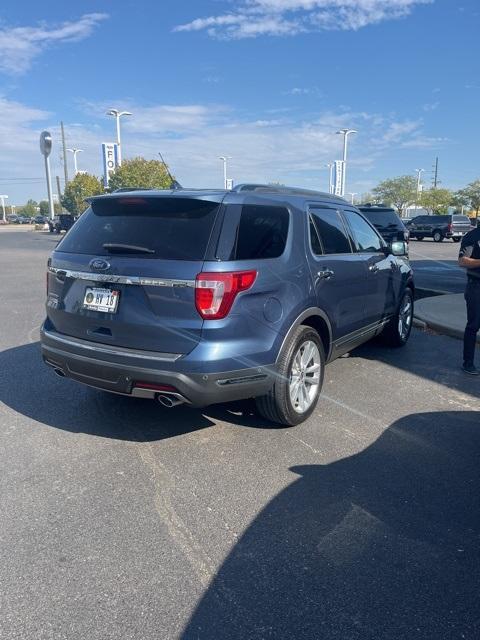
(472, 298)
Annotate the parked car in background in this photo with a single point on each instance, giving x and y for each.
(386, 221)
(474, 222)
(23, 220)
(40, 219)
(450, 226)
(204, 296)
(12, 218)
(62, 222)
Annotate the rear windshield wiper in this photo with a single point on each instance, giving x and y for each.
(126, 248)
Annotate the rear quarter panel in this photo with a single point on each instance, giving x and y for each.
(253, 332)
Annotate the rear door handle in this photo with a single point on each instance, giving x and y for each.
(325, 274)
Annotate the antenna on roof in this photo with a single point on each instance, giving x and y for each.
(173, 183)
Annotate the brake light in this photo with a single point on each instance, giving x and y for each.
(215, 293)
(449, 227)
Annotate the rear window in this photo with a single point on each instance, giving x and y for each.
(169, 228)
(462, 219)
(262, 233)
(382, 217)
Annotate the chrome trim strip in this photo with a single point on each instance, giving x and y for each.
(116, 279)
(360, 333)
(118, 351)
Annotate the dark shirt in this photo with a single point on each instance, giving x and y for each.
(470, 248)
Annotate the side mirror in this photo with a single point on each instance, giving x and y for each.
(399, 249)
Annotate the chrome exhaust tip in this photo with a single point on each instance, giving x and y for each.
(170, 401)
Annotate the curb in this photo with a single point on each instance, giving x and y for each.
(429, 293)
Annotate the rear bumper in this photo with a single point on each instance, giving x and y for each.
(120, 371)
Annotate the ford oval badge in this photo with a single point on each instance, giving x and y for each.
(97, 264)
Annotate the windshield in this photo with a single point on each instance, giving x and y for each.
(165, 228)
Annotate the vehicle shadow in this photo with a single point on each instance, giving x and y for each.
(382, 545)
(30, 388)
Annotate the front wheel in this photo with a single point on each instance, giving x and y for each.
(295, 393)
(437, 236)
(397, 331)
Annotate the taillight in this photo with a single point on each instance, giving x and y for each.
(216, 292)
(449, 227)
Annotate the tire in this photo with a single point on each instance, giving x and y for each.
(437, 236)
(456, 239)
(396, 334)
(278, 406)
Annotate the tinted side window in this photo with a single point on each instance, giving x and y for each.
(365, 238)
(262, 232)
(314, 239)
(331, 231)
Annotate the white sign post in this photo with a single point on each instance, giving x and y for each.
(338, 179)
(110, 160)
(46, 148)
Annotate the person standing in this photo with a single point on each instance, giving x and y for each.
(469, 259)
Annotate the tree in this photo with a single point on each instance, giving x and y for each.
(30, 209)
(81, 187)
(44, 207)
(436, 201)
(470, 196)
(400, 192)
(140, 173)
(368, 198)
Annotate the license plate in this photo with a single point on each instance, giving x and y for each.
(104, 300)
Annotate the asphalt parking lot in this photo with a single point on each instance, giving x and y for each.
(436, 265)
(121, 519)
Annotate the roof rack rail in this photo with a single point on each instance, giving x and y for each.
(273, 188)
(126, 189)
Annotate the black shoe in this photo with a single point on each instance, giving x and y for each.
(471, 369)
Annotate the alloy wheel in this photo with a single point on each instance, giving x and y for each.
(405, 316)
(305, 376)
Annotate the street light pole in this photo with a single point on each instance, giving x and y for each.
(117, 115)
(75, 151)
(2, 198)
(346, 133)
(330, 166)
(224, 160)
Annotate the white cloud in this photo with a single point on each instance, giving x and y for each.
(431, 106)
(303, 91)
(254, 18)
(192, 137)
(19, 46)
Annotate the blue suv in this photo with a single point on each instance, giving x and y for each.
(208, 296)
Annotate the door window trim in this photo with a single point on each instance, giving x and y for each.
(383, 244)
(310, 210)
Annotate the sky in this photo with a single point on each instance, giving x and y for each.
(267, 82)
